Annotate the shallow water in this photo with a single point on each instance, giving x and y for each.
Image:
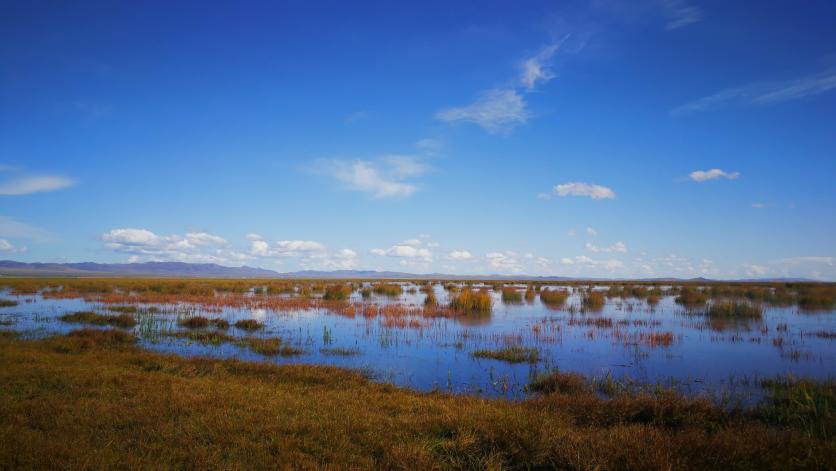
(436, 353)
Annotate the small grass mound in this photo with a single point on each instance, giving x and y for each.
(7, 302)
(271, 347)
(339, 352)
(249, 324)
(90, 317)
(123, 309)
(513, 354)
(200, 322)
(559, 382)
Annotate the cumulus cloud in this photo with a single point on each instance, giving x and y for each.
(507, 261)
(618, 247)
(283, 248)
(460, 255)
(700, 176)
(591, 232)
(595, 192)
(497, 111)
(199, 247)
(8, 247)
(582, 261)
(34, 184)
(386, 178)
(404, 251)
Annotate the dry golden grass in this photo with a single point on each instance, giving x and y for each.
(94, 401)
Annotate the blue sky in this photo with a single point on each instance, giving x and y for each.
(607, 138)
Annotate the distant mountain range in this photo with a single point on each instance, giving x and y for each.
(211, 270)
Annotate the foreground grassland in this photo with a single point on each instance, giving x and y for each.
(94, 400)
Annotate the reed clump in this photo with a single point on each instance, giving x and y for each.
(554, 298)
(337, 292)
(593, 300)
(735, 309)
(511, 295)
(388, 289)
(691, 297)
(470, 301)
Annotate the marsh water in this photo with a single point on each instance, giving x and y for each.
(627, 338)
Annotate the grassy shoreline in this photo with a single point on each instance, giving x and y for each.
(94, 400)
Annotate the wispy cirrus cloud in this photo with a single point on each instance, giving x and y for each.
(700, 176)
(497, 111)
(388, 177)
(536, 69)
(26, 185)
(589, 190)
(679, 13)
(764, 93)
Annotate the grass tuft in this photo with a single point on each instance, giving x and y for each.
(90, 317)
(513, 354)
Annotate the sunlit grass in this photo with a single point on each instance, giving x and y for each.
(65, 397)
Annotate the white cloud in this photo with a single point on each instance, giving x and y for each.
(595, 192)
(497, 111)
(592, 232)
(618, 247)
(507, 261)
(759, 205)
(764, 93)
(344, 259)
(405, 250)
(679, 13)
(284, 248)
(199, 247)
(535, 69)
(700, 176)
(34, 184)
(385, 179)
(582, 262)
(460, 255)
(8, 247)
